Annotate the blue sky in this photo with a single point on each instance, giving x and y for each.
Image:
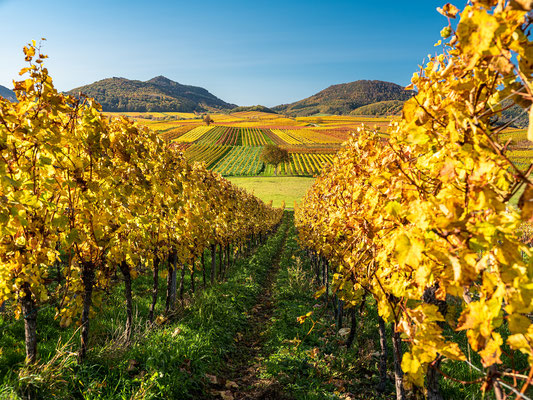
(245, 52)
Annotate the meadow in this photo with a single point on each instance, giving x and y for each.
(279, 190)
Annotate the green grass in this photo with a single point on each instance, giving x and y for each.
(172, 360)
(314, 363)
(277, 189)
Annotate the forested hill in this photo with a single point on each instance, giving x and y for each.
(157, 94)
(346, 97)
(259, 108)
(381, 108)
(514, 115)
(7, 94)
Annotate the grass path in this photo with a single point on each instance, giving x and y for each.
(240, 377)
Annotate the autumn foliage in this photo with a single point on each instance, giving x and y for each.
(424, 222)
(87, 195)
(274, 155)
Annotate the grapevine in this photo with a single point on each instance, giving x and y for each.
(86, 195)
(422, 221)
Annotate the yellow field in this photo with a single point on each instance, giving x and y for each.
(320, 130)
(255, 115)
(311, 140)
(288, 138)
(333, 119)
(193, 134)
(313, 136)
(175, 132)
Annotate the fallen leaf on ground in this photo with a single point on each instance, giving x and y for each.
(226, 395)
(231, 384)
(176, 332)
(344, 331)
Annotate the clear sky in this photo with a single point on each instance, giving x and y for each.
(245, 52)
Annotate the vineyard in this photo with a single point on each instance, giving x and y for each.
(234, 151)
(206, 153)
(132, 268)
(245, 133)
(241, 160)
(425, 226)
(89, 197)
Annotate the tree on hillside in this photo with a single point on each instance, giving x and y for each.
(208, 120)
(274, 155)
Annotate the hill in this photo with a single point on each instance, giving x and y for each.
(514, 114)
(259, 108)
(7, 94)
(157, 94)
(346, 97)
(381, 108)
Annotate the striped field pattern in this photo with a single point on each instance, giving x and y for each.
(254, 137)
(232, 143)
(209, 154)
(194, 134)
(240, 161)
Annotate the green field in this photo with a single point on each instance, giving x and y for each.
(277, 189)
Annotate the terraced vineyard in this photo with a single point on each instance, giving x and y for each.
(194, 134)
(315, 136)
(289, 138)
(229, 136)
(234, 151)
(172, 133)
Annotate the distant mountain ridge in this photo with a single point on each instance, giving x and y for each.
(156, 94)
(254, 108)
(7, 93)
(346, 97)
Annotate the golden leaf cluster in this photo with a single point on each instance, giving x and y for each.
(85, 192)
(422, 221)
